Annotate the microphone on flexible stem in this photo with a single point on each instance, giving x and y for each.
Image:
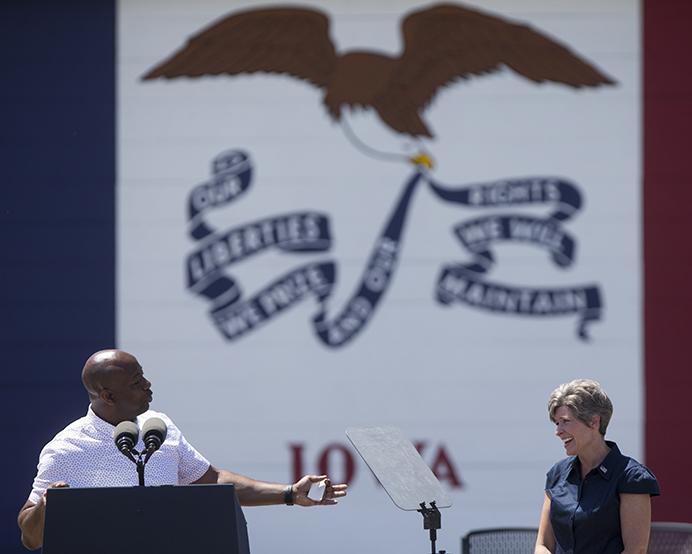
(126, 435)
(154, 432)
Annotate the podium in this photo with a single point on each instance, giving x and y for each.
(166, 519)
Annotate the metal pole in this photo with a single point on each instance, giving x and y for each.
(140, 471)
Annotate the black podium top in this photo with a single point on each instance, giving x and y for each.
(170, 519)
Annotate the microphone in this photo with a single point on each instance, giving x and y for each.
(154, 432)
(126, 435)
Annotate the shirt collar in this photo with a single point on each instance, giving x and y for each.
(103, 426)
(609, 463)
(99, 424)
(606, 467)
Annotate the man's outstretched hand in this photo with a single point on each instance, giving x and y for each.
(331, 492)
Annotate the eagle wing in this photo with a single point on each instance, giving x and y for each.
(281, 40)
(447, 42)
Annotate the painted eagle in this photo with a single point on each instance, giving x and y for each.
(442, 44)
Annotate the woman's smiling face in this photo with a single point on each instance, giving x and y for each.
(574, 433)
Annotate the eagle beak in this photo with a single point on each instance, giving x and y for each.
(422, 159)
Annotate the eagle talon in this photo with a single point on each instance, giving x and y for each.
(422, 159)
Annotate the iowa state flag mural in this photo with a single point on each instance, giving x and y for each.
(307, 218)
(418, 215)
(336, 215)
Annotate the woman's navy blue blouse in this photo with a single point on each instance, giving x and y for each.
(585, 514)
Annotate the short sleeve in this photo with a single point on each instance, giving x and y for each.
(192, 465)
(637, 479)
(47, 473)
(552, 477)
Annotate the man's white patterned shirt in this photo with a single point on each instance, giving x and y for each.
(84, 455)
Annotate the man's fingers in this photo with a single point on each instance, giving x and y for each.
(330, 494)
(336, 491)
(58, 485)
(55, 485)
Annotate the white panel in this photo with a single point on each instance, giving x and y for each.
(471, 384)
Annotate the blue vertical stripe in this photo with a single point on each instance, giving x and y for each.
(57, 223)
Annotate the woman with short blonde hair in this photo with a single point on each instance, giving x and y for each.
(585, 398)
(597, 500)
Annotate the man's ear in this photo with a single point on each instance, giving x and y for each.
(107, 397)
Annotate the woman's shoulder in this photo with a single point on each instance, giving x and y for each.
(636, 478)
(637, 470)
(559, 469)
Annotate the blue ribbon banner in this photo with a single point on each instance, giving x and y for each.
(309, 231)
(467, 283)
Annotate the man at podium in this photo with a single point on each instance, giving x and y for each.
(83, 454)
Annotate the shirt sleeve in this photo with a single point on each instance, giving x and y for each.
(192, 465)
(637, 479)
(47, 473)
(551, 478)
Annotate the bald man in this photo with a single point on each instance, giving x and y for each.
(83, 454)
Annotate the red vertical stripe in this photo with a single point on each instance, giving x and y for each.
(668, 252)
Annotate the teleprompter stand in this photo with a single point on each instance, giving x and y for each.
(401, 471)
(133, 520)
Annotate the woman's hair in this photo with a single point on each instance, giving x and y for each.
(585, 398)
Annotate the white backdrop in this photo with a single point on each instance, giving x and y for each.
(470, 384)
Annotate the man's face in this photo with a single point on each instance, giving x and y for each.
(130, 391)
